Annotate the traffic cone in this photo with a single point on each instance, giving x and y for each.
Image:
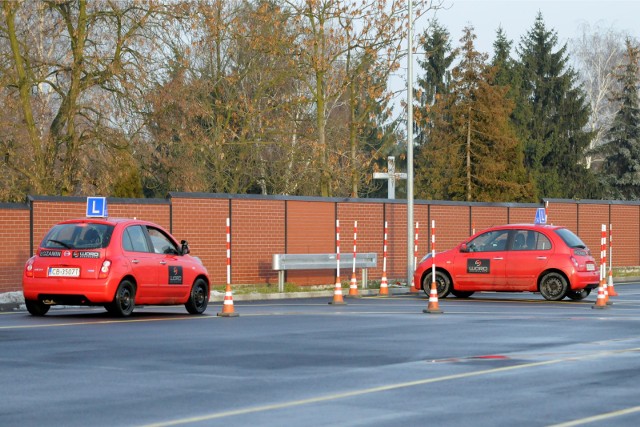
(227, 307)
(384, 287)
(433, 306)
(413, 289)
(337, 294)
(610, 288)
(601, 302)
(353, 286)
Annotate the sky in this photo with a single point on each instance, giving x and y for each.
(517, 17)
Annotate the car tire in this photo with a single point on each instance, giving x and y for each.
(198, 298)
(443, 284)
(461, 294)
(578, 295)
(36, 308)
(553, 286)
(124, 301)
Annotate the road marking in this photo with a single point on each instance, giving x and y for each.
(600, 417)
(103, 322)
(380, 389)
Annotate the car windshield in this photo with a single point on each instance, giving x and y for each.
(570, 238)
(78, 236)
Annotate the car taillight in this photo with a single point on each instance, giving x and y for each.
(574, 261)
(104, 270)
(28, 270)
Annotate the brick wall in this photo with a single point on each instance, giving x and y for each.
(263, 226)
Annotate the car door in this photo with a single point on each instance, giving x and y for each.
(482, 265)
(144, 265)
(172, 283)
(528, 257)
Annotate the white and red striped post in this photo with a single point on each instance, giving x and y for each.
(227, 307)
(603, 263)
(413, 288)
(384, 285)
(610, 288)
(337, 292)
(433, 306)
(353, 286)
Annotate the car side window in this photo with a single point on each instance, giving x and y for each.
(162, 244)
(491, 241)
(134, 240)
(530, 240)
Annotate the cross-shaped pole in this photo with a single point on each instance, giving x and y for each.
(391, 176)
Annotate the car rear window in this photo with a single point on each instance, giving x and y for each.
(78, 236)
(570, 238)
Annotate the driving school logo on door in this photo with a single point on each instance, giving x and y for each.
(175, 275)
(478, 266)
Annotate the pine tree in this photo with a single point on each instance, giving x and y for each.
(621, 168)
(474, 154)
(551, 116)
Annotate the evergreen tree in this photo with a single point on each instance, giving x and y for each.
(433, 85)
(621, 168)
(551, 116)
(474, 154)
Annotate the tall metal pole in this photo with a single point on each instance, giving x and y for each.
(410, 265)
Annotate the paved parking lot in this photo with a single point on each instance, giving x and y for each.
(495, 359)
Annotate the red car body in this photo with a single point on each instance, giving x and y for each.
(548, 259)
(116, 263)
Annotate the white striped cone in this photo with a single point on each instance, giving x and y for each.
(227, 306)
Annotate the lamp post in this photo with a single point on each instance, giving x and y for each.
(410, 265)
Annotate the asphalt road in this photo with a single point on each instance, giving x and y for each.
(492, 360)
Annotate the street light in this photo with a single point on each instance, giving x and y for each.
(410, 230)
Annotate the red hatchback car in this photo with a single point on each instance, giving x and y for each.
(117, 263)
(548, 259)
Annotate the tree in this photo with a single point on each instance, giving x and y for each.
(474, 154)
(621, 167)
(551, 117)
(597, 54)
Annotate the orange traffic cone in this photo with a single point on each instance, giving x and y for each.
(413, 289)
(601, 302)
(433, 306)
(384, 287)
(337, 294)
(227, 307)
(610, 288)
(353, 286)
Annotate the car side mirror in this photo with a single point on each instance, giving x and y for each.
(464, 248)
(185, 247)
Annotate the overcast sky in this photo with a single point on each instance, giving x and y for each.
(517, 17)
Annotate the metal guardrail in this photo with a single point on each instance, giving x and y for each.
(284, 262)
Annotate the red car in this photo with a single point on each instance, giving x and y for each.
(117, 263)
(548, 259)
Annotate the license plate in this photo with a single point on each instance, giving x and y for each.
(591, 267)
(64, 272)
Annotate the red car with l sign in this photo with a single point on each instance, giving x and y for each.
(116, 263)
(548, 259)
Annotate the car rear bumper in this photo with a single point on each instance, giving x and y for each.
(69, 292)
(585, 280)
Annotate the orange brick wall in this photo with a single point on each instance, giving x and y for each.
(265, 225)
(14, 251)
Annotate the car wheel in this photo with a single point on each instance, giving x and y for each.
(462, 294)
(199, 297)
(124, 300)
(443, 284)
(553, 286)
(36, 308)
(578, 295)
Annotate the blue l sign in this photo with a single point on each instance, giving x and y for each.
(97, 207)
(541, 216)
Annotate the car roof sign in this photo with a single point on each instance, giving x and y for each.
(541, 216)
(97, 207)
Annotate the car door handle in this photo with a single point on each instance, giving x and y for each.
(541, 257)
(499, 258)
(163, 262)
(135, 261)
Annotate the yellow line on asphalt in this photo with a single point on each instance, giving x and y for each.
(379, 389)
(600, 417)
